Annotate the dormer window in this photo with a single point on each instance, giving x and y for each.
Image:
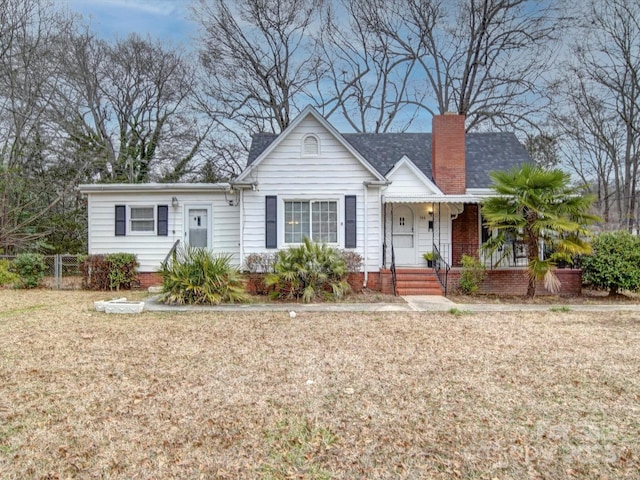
(310, 146)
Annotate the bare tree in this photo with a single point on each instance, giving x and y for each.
(604, 93)
(485, 59)
(259, 56)
(258, 63)
(28, 31)
(131, 104)
(365, 81)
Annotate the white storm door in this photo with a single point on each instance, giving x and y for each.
(404, 235)
(198, 226)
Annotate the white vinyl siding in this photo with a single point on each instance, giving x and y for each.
(151, 250)
(424, 238)
(330, 176)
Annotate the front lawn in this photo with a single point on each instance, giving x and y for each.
(260, 395)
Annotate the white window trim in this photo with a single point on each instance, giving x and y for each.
(130, 230)
(339, 218)
(303, 152)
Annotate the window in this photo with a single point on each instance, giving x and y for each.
(317, 220)
(310, 145)
(142, 220)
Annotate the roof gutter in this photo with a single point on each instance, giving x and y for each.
(377, 183)
(244, 185)
(152, 187)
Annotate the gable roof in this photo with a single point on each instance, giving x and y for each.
(257, 155)
(485, 152)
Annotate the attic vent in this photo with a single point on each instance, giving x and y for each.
(310, 145)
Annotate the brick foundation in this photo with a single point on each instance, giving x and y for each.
(253, 282)
(508, 281)
(149, 279)
(514, 281)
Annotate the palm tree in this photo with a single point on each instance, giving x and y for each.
(538, 207)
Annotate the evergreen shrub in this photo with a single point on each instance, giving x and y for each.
(30, 268)
(614, 263)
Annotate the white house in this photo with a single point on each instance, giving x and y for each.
(390, 197)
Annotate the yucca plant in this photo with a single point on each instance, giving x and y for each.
(309, 271)
(196, 276)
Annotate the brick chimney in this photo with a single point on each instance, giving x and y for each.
(448, 153)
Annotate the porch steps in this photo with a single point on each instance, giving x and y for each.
(417, 281)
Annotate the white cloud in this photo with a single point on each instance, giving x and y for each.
(155, 7)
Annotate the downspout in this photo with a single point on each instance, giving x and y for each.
(241, 186)
(375, 184)
(366, 236)
(241, 227)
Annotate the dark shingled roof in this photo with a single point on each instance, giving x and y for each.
(485, 152)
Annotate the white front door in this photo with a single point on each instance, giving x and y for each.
(198, 226)
(403, 235)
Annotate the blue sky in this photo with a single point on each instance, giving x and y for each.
(161, 19)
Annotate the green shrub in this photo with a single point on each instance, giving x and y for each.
(123, 270)
(30, 267)
(614, 264)
(7, 277)
(197, 277)
(108, 272)
(309, 271)
(472, 275)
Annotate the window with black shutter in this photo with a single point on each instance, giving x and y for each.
(271, 221)
(121, 220)
(163, 220)
(350, 231)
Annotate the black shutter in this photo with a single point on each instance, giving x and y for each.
(121, 220)
(350, 221)
(271, 221)
(163, 220)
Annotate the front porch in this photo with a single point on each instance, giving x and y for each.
(452, 230)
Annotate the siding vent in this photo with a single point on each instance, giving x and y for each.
(310, 145)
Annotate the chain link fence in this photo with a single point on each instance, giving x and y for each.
(63, 271)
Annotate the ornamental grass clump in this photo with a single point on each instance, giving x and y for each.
(310, 271)
(196, 276)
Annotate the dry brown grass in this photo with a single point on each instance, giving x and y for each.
(588, 297)
(255, 395)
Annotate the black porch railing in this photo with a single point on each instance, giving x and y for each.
(513, 254)
(394, 276)
(441, 268)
